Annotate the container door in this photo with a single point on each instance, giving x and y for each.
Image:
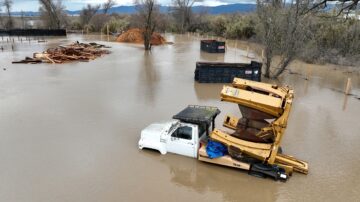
(182, 141)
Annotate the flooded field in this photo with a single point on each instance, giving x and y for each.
(69, 132)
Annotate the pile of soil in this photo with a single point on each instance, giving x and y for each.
(136, 36)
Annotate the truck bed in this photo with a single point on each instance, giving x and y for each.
(224, 160)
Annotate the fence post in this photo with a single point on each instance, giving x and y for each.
(226, 45)
(348, 86)
(108, 32)
(308, 73)
(235, 49)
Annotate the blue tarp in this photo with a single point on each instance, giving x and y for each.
(215, 149)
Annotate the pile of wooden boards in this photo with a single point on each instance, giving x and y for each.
(74, 52)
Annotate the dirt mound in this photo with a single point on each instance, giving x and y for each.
(136, 36)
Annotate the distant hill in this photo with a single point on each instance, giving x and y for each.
(231, 8)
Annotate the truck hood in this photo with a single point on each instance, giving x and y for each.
(157, 129)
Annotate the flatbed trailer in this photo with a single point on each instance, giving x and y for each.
(188, 135)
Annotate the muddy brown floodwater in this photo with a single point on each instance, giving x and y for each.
(69, 132)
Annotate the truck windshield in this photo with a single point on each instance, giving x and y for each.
(183, 132)
(172, 127)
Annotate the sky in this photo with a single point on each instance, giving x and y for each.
(33, 5)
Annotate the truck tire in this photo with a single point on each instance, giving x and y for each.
(257, 174)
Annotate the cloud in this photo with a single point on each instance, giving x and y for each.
(119, 2)
(211, 3)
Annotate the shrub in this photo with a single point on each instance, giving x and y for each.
(116, 25)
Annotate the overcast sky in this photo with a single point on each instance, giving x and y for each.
(33, 5)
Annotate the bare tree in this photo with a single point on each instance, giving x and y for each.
(87, 13)
(52, 13)
(108, 5)
(182, 13)
(282, 32)
(22, 17)
(10, 23)
(99, 21)
(2, 20)
(343, 6)
(147, 11)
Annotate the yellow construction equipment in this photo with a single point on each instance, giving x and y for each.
(265, 111)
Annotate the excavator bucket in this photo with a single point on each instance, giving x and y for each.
(265, 110)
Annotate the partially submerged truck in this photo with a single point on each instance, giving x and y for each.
(255, 143)
(188, 134)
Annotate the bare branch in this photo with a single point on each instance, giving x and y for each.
(87, 13)
(182, 13)
(148, 11)
(108, 5)
(52, 13)
(8, 5)
(346, 6)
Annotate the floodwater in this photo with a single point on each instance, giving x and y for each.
(69, 132)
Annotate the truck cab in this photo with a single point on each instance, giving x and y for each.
(184, 134)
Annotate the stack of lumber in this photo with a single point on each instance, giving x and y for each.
(74, 52)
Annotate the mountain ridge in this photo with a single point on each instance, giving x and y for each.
(222, 9)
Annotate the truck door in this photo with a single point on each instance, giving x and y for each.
(182, 141)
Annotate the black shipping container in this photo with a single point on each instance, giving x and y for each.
(212, 46)
(219, 72)
(34, 32)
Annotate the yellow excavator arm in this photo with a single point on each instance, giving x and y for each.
(254, 135)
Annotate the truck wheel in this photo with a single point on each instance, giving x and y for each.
(257, 174)
(163, 152)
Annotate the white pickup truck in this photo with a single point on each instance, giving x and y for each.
(187, 135)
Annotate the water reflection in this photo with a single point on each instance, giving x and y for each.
(212, 57)
(205, 91)
(148, 79)
(306, 86)
(345, 102)
(232, 184)
(54, 72)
